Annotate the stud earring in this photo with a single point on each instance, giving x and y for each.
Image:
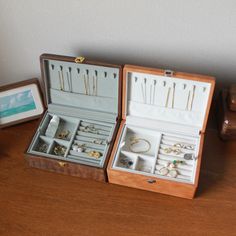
(78, 147)
(63, 134)
(43, 148)
(59, 150)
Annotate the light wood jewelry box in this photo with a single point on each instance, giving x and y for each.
(77, 131)
(160, 140)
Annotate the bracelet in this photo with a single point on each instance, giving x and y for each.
(134, 140)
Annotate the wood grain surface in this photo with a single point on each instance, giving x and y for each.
(36, 202)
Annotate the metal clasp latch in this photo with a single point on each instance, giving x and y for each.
(79, 59)
(168, 73)
(61, 163)
(151, 181)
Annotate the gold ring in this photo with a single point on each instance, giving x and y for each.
(94, 154)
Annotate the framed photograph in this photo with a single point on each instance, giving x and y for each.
(20, 102)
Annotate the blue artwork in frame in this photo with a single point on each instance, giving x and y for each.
(16, 103)
(20, 102)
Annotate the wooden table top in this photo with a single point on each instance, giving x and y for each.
(36, 202)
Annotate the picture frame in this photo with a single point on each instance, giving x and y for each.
(20, 102)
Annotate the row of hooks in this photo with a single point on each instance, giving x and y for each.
(90, 80)
(78, 71)
(164, 83)
(151, 89)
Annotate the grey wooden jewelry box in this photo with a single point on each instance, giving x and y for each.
(86, 96)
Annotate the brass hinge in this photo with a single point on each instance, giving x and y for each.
(79, 59)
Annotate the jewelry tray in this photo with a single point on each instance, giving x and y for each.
(84, 98)
(156, 158)
(75, 136)
(166, 113)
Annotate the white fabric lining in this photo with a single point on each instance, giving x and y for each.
(174, 128)
(143, 163)
(167, 98)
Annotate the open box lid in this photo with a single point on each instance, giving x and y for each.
(174, 99)
(78, 87)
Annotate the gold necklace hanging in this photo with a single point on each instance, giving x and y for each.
(167, 97)
(96, 81)
(194, 88)
(69, 79)
(154, 91)
(186, 108)
(85, 85)
(88, 84)
(173, 96)
(61, 78)
(150, 94)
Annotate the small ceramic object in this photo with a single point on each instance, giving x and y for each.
(52, 126)
(189, 156)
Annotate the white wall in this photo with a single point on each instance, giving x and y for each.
(184, 35)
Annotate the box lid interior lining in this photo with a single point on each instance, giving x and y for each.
(169, 99)
(82, 86)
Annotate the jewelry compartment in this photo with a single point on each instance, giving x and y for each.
(59, 148)
(177, 157)
(169, 156)
(42, 145)
(137, 140)
(91, 142)
(145, 164)
(127, 161)
(92, 139)
(62, 127)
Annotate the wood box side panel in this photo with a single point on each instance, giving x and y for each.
(133, 180)
(197, 174)
(67, 168)
(151, 184)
